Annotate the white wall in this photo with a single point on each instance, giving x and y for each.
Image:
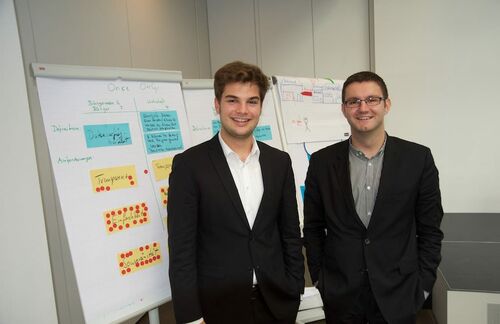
(305, 38)
(27, 294)
(441, 63)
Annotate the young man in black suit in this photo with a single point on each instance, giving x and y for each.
(234, 237)
(372, 212)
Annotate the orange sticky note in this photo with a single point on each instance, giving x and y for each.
(113, 178)
(123, 218)
(138, 259)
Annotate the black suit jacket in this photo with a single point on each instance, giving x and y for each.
(401, 247)
(213, 251)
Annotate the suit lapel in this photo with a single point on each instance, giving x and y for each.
(220, 164)
(390, 163)
(265, 168)
(343, 175)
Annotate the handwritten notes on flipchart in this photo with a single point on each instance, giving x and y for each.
(111, 144)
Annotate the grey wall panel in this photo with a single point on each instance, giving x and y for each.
(164, 35)
(91, 32)
(440, 60)
(203, 39)
(232, 31)
(286, 37)
(341, 37)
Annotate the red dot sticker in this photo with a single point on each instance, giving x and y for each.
(127, 225)
(145, 219)
(124, 209)
(132, 183)
(128, 270)
(141, 249)
(154, 258)
(147, 261)
(165, 201)
(114, 225)
(110, 229)
(146, 171)
(121, 264)
(147, 247)
(143, 204)
(97, 189)
(113, 213)
(122, 255)
(158, 257)
(154, 244)
(108, 215)
(108, 222)
(150, 260)
(102, 188)
(120, 227)
(131, 208)
(124, 272)
(130, 177)
(146, 208)
(108, 188)
(137, 264)
(135, 221)
(119, 212)
(162, 190)
(141, 221)
(142, 263)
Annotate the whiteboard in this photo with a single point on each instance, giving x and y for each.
(311, 119)
(311, 109)
(204, 121)
(112, 134)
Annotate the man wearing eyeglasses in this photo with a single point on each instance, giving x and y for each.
(372, 211)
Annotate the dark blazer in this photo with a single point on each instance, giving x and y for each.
(212, 248)
(400, 249)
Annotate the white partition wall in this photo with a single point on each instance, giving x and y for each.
(440, 61)
(27, 294)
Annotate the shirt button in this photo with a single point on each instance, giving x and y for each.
(369, 164)
(367, 241)
(369, 213)
(368, 187)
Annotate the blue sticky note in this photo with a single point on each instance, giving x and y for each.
(107, 135)
(158, 121)
(263, 133)
(215, 126)
(163, 142)
(302, 191)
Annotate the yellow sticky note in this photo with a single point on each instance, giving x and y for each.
(164, 195)
(125, 217)
(138, 259)
(113, 178)
(162, 168)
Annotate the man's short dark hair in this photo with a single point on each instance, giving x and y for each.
(238, 71)
(365, 76)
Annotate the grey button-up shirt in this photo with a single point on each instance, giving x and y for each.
(365, 179)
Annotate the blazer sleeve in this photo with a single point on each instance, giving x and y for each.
(314, 220)
(290, 230)
(182, 210)
(429, 213)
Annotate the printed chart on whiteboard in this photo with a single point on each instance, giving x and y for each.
(312, 119)
(111, 146)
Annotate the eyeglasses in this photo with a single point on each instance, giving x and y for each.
(356, 103)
